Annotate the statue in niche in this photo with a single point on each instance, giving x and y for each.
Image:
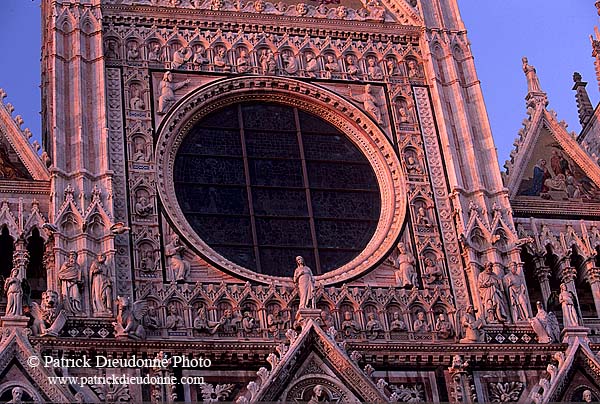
(139, 152)
(412, 165)
(150, 319)
(351, 68)
(129, 317)
(397, 324)
(133, 52)
(202, 324)
(174, 320)
(517, 292)
(432, 273)
(242, 63)
(420, 325)
(70, 278)
(181, 56)
(200, 55)
(326, 319)
(374, 71)
(331, 66)
(406, 274)
(268, 65)
(312, 66)
(305, 284)
(49, 317)
(249, 323)
(369, 102)
(533, 83)
(275, 321)
(167, 90)
(101, 290)
(291, 63)
(220, 59)
(492, 295)
(147, 261)
(568, 301)
(178, 267)
(391, 67)
(111, 51)
(350, 327)
(470, 326)
(374, 327)
(143, 207)
(154, 53)
(229, 322)
(422, 217)
(545, 325)
(14, 294)
(443, 327)
(413, 69)
(135, 101)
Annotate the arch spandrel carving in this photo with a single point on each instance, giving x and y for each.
(358, 126)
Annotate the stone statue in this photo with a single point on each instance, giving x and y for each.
(406, 274)
(391, 67)
(133, 51)
(517, 293)
(174, 320)
(70, 278)
(150, 319)
(350, 327)
(135, 102)
(351, 68)
(178, 267)
(397, 324)
(101, 291)
(413, 69)
(420, 325)
(200, 55)
(432, 273)
(17, 396)
(181, 57)
(492, 295)
(312, 66)
(305, 284)
(374, 327)
(154, 53)
(545, 325)
(14, 294)
(325, 319)
(470, 326)
(369, 103)
(267, 62)
(249, 323)
(143, 207)
(49, 317)
(587, 396)
(443, 327)
(569, 307)
(242, 63)
(413, 166)
(374, 71)
(220, 59)
(129, 317)
(533, 83)
(291, 63)
(318, 395)
(202, 324)
(166, 90)
(331, 66)
(275, 321)
(422, 218)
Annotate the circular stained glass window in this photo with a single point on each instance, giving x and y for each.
(261, 183)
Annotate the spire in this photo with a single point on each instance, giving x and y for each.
(584, 105)
(535, 95)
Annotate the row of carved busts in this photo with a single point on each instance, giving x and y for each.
(373, 10)
(273, 321)
(265, 60)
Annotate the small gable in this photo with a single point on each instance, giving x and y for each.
(551, 174)
(11, 167)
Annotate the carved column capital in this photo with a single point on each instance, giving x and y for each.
(568, 274)
(542, 273)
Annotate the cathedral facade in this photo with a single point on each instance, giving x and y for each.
(254, 201)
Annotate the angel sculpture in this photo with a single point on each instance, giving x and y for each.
(545, 325)
(49, 316)
(129, 318)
